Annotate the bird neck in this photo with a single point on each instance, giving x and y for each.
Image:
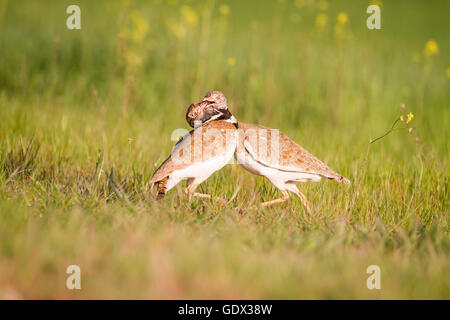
(233, 121)
(228, 117)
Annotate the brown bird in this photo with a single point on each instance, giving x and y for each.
(267, 152)
(201, 152)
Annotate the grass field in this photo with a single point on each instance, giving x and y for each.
(86, 116)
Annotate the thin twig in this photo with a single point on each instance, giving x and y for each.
(384, 135)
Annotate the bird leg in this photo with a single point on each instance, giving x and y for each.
(286, 197)
(304, 201)
(202, 195)
(190, 192)
(283, 198)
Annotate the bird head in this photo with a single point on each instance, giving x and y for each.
(212, 107)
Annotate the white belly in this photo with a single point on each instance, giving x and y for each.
(276, 176)
(200, 171)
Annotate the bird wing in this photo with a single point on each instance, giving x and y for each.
(274, 149)
(212, 140)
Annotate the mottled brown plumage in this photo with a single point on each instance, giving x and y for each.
(267, 152)
(288, 157)
(199, 154)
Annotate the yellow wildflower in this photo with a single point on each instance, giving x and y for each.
(321, 20)
(322, 5)
(189, 15)
(342, 18)
(127, 2)
(231, 61)
(140, 26)
(133, 58)
(431, 48)
(224, 9)
(448, 72)
(177, 29)
(410, 117)
(377, 3)
(299, 3)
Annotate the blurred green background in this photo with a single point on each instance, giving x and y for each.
(87, 116)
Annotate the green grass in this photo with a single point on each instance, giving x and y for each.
(87, 116)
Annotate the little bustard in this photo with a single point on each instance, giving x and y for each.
(267, 152)
(200, 153)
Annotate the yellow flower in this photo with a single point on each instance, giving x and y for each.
(133, 58)
(410, 117)
(299, 3)
(231, 61)
(431, 48)
(321, 20)
(377, 3)
(140, 26)
(322, 5)
(448, 72)
(127, 2)
(342, 18)
(189, 15)
(177, 29)
(224, 9)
